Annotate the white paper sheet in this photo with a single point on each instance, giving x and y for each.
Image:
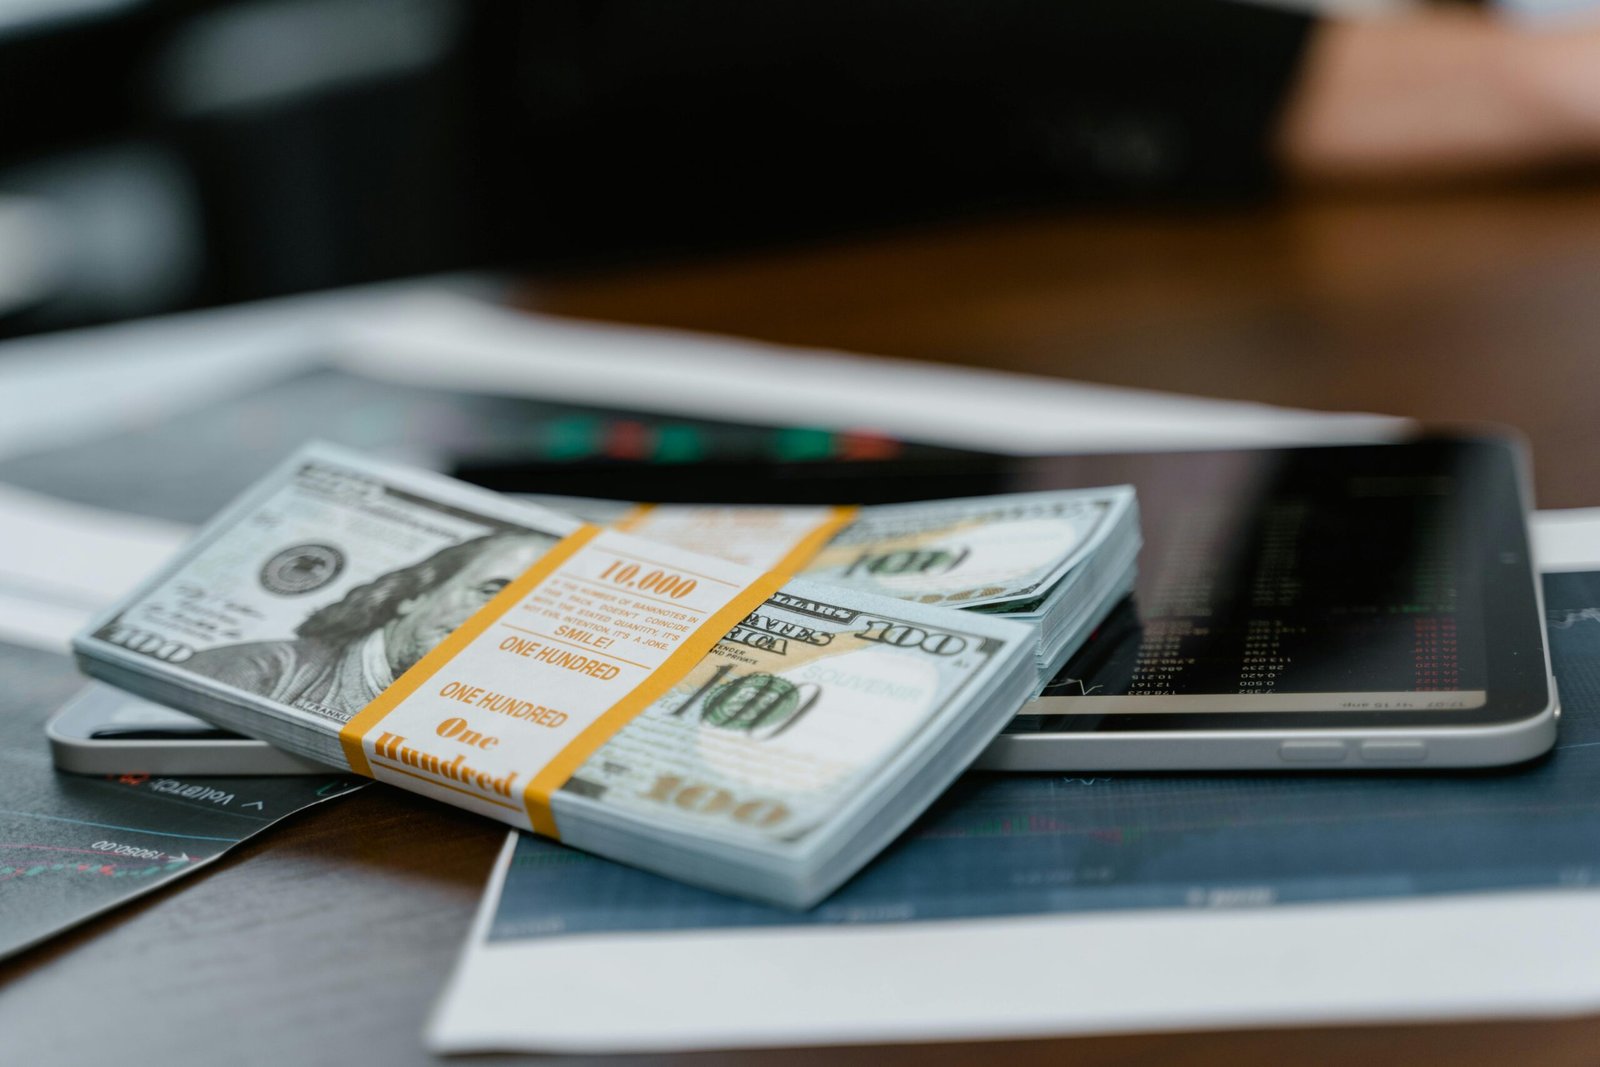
(438, 333)
(446, 340)
(62, 563)
(1511, 954)
(78, 385)
(1567, 540)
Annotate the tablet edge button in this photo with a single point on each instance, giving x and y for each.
(1313, 751)
(1394, 751)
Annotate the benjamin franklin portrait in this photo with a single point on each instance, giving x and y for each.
(345, 654)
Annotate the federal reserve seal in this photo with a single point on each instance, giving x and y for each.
(301, 569)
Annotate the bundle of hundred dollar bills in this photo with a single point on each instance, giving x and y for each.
(714, 722)
(1057, 560)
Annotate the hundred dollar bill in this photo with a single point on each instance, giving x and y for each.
(1056, 560)
(791, 713)
(311, 596)
(990, 552)
(819, 725)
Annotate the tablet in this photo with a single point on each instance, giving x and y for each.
(107, 731)
(1336, 607)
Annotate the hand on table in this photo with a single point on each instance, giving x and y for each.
(1441, 95)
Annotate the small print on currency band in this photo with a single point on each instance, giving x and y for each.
(500, 714)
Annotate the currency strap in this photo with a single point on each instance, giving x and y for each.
(500, 714)
(762, 537)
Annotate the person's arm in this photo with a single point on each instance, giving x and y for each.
(1441, 95)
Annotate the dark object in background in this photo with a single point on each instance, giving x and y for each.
(645, 127)
(302, 144)
(204, 153)
(928, 472)
(186, 466)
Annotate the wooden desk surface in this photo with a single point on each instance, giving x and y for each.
(327, 941)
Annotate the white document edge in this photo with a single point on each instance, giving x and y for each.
(146, 369)
(1567, 539)
(448, 340)
(443, 332)
(1468, 956)
(62, 562)
(1491, 954)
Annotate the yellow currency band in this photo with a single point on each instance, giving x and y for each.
(544, 784)
(634, 516)
(352, 733)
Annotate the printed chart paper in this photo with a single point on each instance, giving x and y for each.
(73, 846)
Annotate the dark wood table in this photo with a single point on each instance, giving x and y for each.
(328, 940)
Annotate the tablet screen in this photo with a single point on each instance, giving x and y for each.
(1316, 587)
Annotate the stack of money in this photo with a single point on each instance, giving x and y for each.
(1058, 560)
(339, 603)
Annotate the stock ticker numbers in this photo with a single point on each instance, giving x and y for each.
(102, 859)
(1284, 603)
(1437, 654)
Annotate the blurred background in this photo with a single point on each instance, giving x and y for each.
(1365, 205)
(167, 154)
